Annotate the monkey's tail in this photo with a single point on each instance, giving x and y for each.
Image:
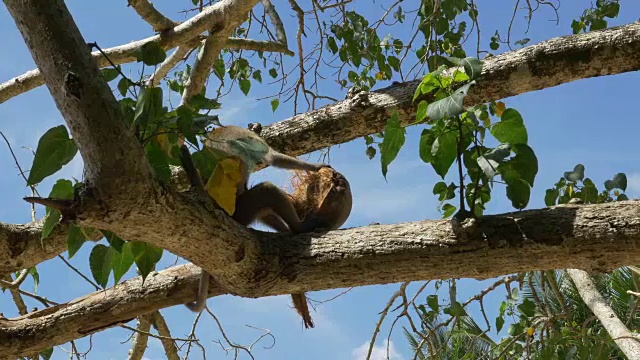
(300, 304)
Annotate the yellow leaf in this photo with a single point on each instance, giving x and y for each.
(500, 106)
(530, 331)
(223, 183)
(163, 142)
(379, 75)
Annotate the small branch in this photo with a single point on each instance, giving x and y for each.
(168, 343)
(15, 283)
(171, 62)
(281, 34)
(151, 15)
(627, 341)
(203, 64)
(140, 338)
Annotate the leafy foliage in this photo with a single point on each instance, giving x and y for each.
(456, 134)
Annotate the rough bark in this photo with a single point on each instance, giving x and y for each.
(21, 245)
(547, 64)
(627, 341)
(591, 237)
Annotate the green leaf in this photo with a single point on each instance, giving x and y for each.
(274, 104)
(589, 192)
(394, 137)
(245, 86)
(421, 113)
(151, 53)
(62, 189)
(394, 62)
(622, 197)
(148, 106)
(510, 129)
(551, 196)
(146, 256)
(46, 354)
(273, 73)
(51, 220)
(100, 261)
(491, 160)
(426, 142)
(620, 181)
(432, 302)
(519, 193)
(36, 278)
(527, 307)
(472, 67)
(515, 329)
(598, 24)
(55, 149)
(218, 68)
(448, 210)
(370, 152)
(159, 161)
(577, 173)
(499, 323)
(525, 163)
(123, 86)
(75, 239)
(121, 262)
(205, 161)
(109, 74)
(450, 106)
(455, 309)
(114, 240)
(444, 151)
(332, 45)
(202, 102)
(257, 75)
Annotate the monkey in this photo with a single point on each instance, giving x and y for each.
(264, 202)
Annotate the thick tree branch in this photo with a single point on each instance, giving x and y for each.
(627, 341)
(189, 30)
(21, 245)
(593, 237)
(213, 44)
(553, 62)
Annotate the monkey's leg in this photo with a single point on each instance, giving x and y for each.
(275, 222)
(265, 196)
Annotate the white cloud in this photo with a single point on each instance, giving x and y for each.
(378, 353)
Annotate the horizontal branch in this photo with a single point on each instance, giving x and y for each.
(169, 39)
(591, 237)
(547, 64)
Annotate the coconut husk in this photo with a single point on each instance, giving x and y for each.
(325, 193)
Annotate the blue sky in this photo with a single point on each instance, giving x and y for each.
(587, 121)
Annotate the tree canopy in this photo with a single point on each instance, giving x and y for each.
(453, 122)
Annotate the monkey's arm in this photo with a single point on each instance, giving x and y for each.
(288, 162)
